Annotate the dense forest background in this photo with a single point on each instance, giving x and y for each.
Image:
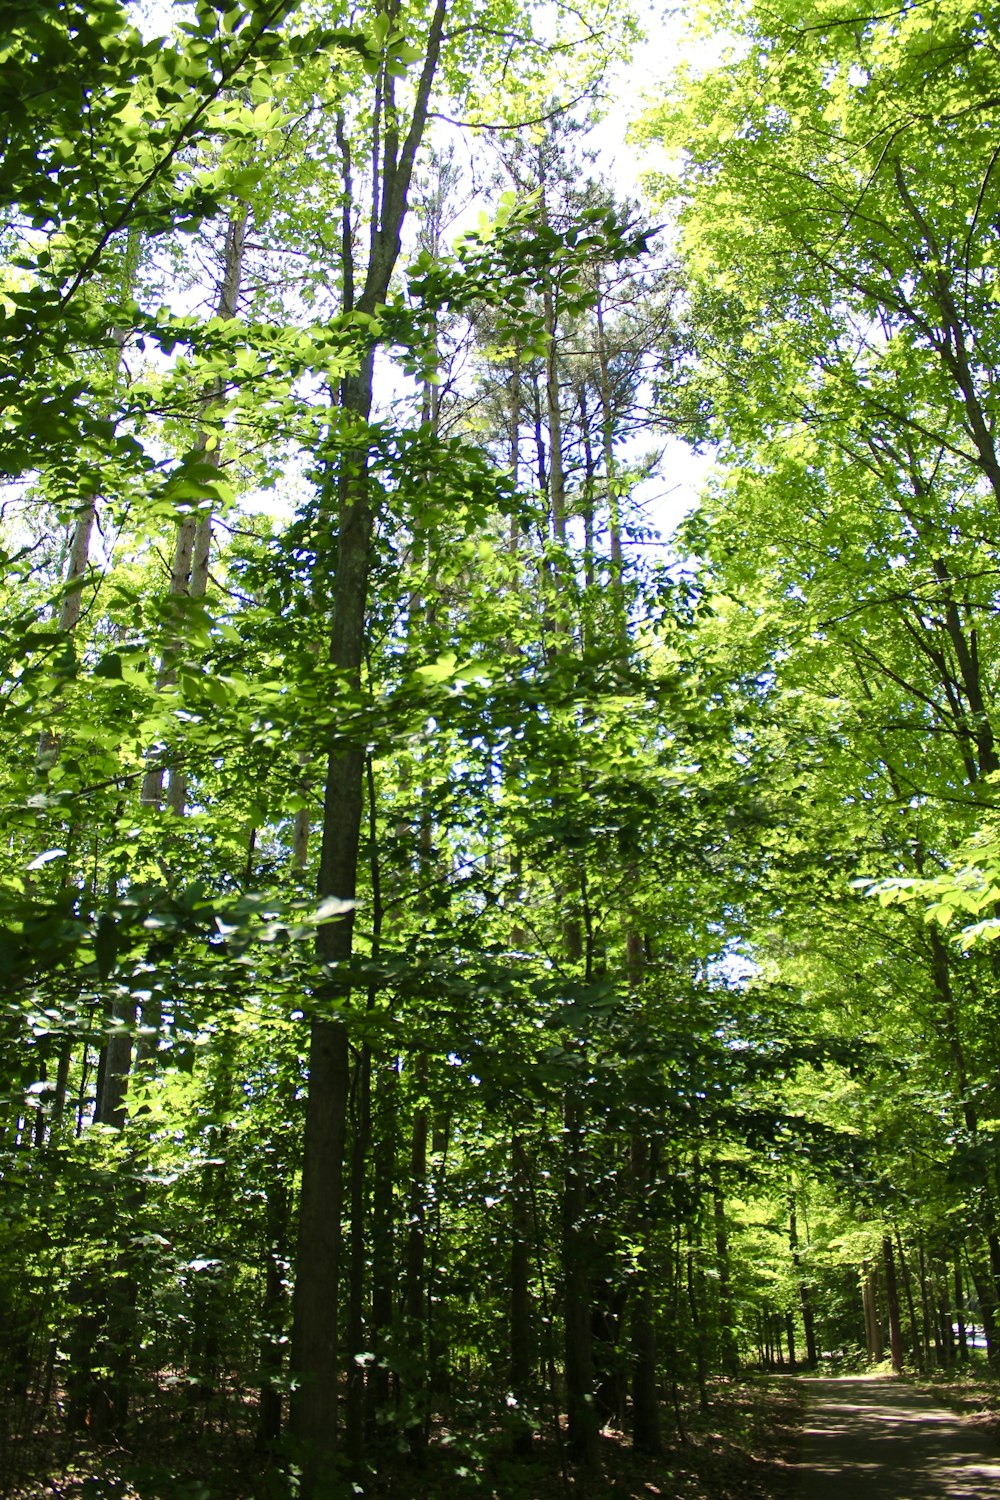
(478, 979)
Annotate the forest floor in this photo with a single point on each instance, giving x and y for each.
(743, 1448)
(968, 1392)
(892, 1439)
(778, 1438)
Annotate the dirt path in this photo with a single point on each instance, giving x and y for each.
(878, 1439)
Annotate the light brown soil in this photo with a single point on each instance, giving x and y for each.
(872, 1438)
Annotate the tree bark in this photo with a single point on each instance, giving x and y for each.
(892, 1304)
(115, 1064)
(620, 613)
(582, 1432)
(356, 1351)
(873, 1328)
(729, 1354)
(963, 1338)
(522, 1340)
(416, 1255)
(315, 1321)
(904, 1271)
(193, 541)
(805, 1300)
(269, 1407)
(382, 1240)
(646, 1437)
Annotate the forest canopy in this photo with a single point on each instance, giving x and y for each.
(481, 978)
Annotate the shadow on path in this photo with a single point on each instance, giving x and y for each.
(868, 1438)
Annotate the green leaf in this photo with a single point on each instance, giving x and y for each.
(110, 666)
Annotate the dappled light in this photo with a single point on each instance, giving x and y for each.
(888, 1441)
(499, 750)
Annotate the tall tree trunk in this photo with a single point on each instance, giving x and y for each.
(963, 1339)
(358, 1352)
(315, 1321)
(805, 1300)
(581, 1412)
(646, 1436)
(514, 442)
(620, 612)
(729, 1354)
(276, 1221)
(873, 1328)
(416, 1255)
(438, 1374)
(790, 1338)
(904, 1271)
(382, 1241)
(115, 1064)
(522, 1333)
(947, 1334)
(556, 488)
(193, 541)
(925, 1301)
(892, 1304)
(354, 1412)
(696, 1294)
(675, 1340)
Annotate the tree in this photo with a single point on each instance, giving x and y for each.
(837, 276)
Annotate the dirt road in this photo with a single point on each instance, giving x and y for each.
(877, 1439)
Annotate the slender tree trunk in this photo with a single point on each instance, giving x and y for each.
(62, 1082)
(301, 825)
(315, 1354)
(354, 1414)
(115, 1064)
(904, 1271)
(315, 1320)
(611, 473)
(987, 1283)
(438, 1372)
(382, 1240)
(793, 1363)
(556, 490)
(963, 1340)
(729, 1355)
(925, 1318)
(522, 1333)
(416, 1255)
(646, 1437)
(696, 1290)
(193, 541)
(553, 412)
(947, 1336)
(514, 442)
(579, 1359)
(269, 1410)
(990, 1303)
(892, 1303)
(215, 1196)
(873, 1328)
(805, 1300)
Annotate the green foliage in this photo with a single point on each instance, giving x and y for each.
(628, 1058)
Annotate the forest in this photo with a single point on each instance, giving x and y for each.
(490, 981)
